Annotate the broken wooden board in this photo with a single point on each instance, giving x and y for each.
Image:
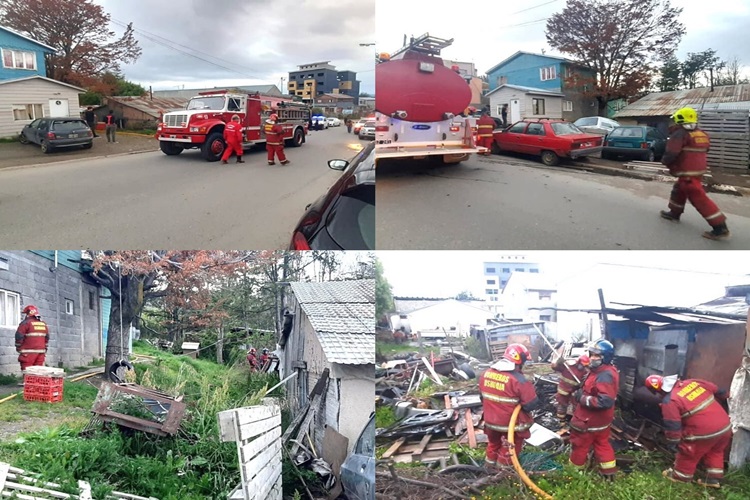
(425, 451)
(470, 429)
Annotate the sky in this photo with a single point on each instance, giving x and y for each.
(503, 28)
(253, 42)
(632, 277)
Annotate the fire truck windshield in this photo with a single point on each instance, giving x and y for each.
(215, 103)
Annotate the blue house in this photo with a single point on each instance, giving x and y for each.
(74, 306)
(540, 75)
(25, 91)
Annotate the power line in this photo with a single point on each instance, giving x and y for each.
(534, 7)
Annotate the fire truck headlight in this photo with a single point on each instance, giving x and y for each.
(194, 129)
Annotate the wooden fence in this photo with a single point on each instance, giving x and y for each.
(257, 432)
(730, 137)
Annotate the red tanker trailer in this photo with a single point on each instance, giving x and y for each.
(420, 103)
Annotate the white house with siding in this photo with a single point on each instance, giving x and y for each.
(525, 102)
(331, 325)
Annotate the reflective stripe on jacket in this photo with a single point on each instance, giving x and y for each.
(596, 408)
(501, 391)
(274, 133)
(686, 152)
(32, 336)
(691, 412)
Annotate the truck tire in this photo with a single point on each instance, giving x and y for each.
(213, 148)
(297, 140)
(550, 158)
(170, 148)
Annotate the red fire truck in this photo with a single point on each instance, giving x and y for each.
(201, 123)
(421, 104)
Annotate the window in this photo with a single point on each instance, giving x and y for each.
(545, 317)
(23, 112)
(502, 80)
(234, 104)
(68, 306)
(567, 105)
(493, 299)
(518, 128)
(489, 291)
(503, 282)
(533, 270)
(506, 270)
(568, 71)
(518, 270)
(19, 59)
(537, 106)
(92, 301)
(535, 129)
(10, 314)
(548, 73)
(489, 270)
(545, 295)
(490, 282)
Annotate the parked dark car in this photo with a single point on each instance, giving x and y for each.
(344, 217)
(640, 142)
(358, 470)
(548, 138)
(54, 133)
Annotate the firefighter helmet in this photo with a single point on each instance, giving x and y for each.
(235, 118)
(517, 354)
(603, 348)
(273, 117)
(657, 383)
(252, 350)
(265, 351)
(31, 310)
(584, 360)
(685, 116)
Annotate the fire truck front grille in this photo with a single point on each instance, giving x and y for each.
(175, 120)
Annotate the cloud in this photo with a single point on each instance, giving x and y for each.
(244, 41)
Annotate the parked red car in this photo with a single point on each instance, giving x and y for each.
(551, 139)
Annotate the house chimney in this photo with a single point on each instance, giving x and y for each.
(150, 93)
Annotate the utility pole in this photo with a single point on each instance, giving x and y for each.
(282, 85)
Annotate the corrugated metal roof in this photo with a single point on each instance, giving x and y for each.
(343, 316)
(151, 107)
(406, 305)
(666, 103)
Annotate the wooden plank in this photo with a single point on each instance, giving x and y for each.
(4, 468)
(261, 485)
(316, 403)
(394, 448)
(85, 489)
(252, 448)
(422, 445)
(432, 371)
(252, 429)
(447, 399)
(470, 429)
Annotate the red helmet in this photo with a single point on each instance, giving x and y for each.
(252, 350)
(31, 310)
(584, 360)
(517, 354)
(654, 382)
(274, 117)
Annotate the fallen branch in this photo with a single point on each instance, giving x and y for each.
(396, 477)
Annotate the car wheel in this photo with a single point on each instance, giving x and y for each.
(550, 159)
(170, 148)
(650, 155)
(23, 139)
(88, 146)
(214, 146)
(495, 148)
(46, 147)
(607, 156)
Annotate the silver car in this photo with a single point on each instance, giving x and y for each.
(596, 125)
(367, 131)
(358, 470)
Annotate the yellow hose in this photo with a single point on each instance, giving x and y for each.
(10, 397)
(514, 458)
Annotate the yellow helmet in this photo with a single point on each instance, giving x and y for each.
(684, 116)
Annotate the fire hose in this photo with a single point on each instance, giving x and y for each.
(514, 458)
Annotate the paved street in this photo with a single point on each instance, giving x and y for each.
(150, 200)
(507, 202)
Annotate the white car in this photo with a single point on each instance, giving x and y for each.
(596, 125)
(333, 121)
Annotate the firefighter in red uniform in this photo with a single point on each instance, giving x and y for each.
(233, 138)
(696, 426)
(485, 126)
(596, 410)
(32, 339)
(274, 140)
(252, 359)
(502, 387)
(570, 379)
(263, 359)
(685, 156)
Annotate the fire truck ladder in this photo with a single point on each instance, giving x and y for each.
(426, 44)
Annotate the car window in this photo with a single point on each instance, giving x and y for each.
(370, 124)
(585, 122)
(518, 128)
(535, 129)
(610, 123)
(351, 221)
(565, 128)
(366, 442)
(629, 132)
(35, 123)
(68, 125)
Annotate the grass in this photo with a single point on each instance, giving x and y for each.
(9, 379)
(145, 131)
(194, 464)
(388, 349)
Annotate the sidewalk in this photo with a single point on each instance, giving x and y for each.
(721, 180)
(15, 154)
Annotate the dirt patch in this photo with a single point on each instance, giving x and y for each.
(16, 154)
(73, 417)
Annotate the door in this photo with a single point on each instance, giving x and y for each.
(515, 110)
(254, 120)
(59, 107)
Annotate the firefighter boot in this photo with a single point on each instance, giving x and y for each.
(711, 482)
(224, 162)
(670, 216)
(719, 232)
(285, 162)
(240, 160)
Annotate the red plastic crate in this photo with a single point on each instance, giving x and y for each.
(52, 397)
(44, 389)
(43, 381)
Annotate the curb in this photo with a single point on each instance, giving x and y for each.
(667, 179)
(64, 162)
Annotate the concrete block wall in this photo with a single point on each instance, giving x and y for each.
(74, 338)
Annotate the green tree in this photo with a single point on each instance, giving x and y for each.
(383, 291)
(670, 75)
(697, 64)
(465, 295)
(619, 40)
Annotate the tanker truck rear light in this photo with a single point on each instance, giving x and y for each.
(455, 128)
(426, 67)
(382, 128)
